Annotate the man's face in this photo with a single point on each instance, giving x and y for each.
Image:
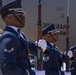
(74, 54)
(54, 37)
(21, 17)
(17, 19)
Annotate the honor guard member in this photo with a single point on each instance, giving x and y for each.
(72, 54)
(13, 43)
(52, 55)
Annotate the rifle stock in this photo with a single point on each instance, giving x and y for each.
(67, 48)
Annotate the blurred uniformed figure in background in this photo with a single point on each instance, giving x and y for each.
(1, 31)
(72, 53)
(13, 43)
(52, 55)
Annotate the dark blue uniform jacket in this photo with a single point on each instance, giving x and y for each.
(14, 53)
(73, 67)
(52, 61)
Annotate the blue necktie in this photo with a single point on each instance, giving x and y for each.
(54, 45)
(18, 30)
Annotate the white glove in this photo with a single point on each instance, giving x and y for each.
(70, 54)
(42, 43)
(37, 72)
(67, 73)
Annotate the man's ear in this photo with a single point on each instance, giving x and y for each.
(8, 19)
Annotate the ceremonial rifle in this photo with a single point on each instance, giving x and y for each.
(39, 51)
(67, 39)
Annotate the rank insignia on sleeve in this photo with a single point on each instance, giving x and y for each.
(9, 51)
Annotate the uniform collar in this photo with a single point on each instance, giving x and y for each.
(13, 27)
(52, 44)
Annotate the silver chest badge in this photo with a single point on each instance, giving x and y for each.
(46, 58)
